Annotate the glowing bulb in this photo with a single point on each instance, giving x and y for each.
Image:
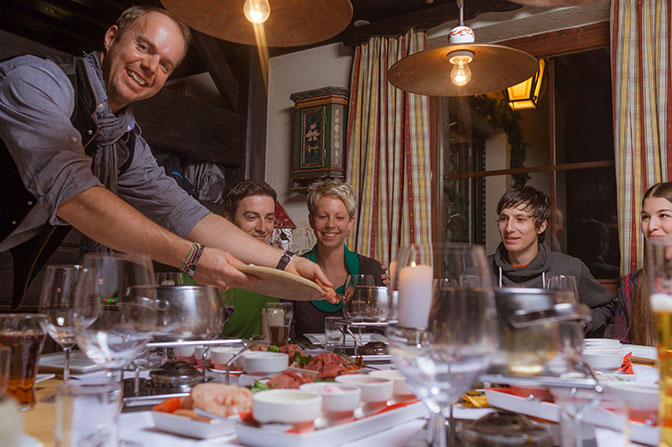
(460, 75)
(257, 11)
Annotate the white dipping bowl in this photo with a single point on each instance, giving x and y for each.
(198, 353)
(285, 406)
(642, 398)
(221, 356)
(400, 388)
(336, 398)
(183, 351)
(265, 362)
(601, 342)
(603, 359)
(374, 389)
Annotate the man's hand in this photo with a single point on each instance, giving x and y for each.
(218, 268)
(310, 270)
(385, 277)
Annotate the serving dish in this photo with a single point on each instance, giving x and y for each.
(265, 362)
(281, 284)
(186, 426)
(639, 432)
(260, 436)
(641, 354)
(320, 339)
(79, 363)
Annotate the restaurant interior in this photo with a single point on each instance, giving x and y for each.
(571, 97)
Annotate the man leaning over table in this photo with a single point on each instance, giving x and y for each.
(523, 260)
(250, 205)
(72, 154)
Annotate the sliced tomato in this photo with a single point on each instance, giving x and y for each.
(169, 405)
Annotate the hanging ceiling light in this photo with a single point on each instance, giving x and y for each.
(462, 68)
(289, 23)
(526, 94)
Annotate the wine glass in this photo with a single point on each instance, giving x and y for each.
(563, 282)
(446, 332)
(56, 302)
(114, 317)
(357, 300)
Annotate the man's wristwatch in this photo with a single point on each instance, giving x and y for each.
(284, 260)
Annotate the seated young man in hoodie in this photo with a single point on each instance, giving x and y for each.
(523, 260)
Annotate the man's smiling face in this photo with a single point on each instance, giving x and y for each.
(519, 232)
(137, 62)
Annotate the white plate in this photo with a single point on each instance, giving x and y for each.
(546, 410)
(79, 363)
(319, 339)
(183, 425)
(337, 435)
(641, 354)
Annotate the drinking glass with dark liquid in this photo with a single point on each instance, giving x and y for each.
(24, 334)
(278, 318)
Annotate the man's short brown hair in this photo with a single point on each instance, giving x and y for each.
(536, 203)
(133, 13)
(246, 188)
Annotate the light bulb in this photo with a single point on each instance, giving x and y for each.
(257, 11)
(460, 74)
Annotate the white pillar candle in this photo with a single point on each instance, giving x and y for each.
(415, 295)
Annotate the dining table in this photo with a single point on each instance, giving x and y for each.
(137, 425)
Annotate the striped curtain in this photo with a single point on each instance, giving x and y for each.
(640, 48)
(388, 161)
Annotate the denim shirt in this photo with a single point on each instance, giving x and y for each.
(36, 103)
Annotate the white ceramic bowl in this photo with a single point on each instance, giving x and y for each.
(374, 389)
(265, 362)
(603, 359)
(286, 406)
(198, 353)
(220, 357)
(400, 388)
(336, 398)
(601, 342)
(642, 398)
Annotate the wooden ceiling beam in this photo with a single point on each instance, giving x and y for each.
(214, 58)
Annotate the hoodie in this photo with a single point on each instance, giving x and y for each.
(548, 263)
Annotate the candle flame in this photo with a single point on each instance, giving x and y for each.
(413, 264)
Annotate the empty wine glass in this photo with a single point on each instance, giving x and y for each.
(445, 340)
(57, 300)
(563, 282)
(114, 318)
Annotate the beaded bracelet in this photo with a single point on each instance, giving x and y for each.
(189, 265)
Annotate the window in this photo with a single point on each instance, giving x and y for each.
(566, 149)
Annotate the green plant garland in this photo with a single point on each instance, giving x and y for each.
(501, 116)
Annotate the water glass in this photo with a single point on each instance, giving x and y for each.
(87, 414)
(24, 334)
(333, 332)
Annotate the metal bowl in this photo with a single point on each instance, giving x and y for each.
(366, 303)
(540, 331)
(188, 313)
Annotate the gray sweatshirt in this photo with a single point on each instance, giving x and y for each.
(548, 263)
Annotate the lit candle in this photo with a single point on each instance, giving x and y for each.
(415, 295)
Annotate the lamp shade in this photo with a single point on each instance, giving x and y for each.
(493, 67)
(526, 94)
(291, 22)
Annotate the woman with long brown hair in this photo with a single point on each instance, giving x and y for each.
(634, 320)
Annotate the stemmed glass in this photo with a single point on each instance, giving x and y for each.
(57, 300)
(115, 310)
(446, 331)
(356, 301)
(563, 282)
